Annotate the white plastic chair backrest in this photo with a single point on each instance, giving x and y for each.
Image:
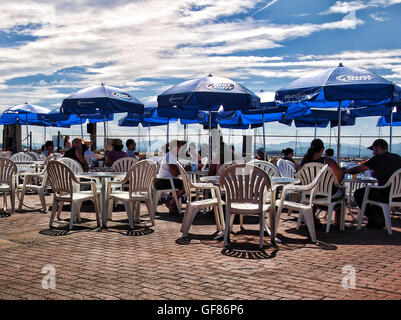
(74, 165)
(186, 182)
(223, 167)
(22, 156)
(286, 168)
(54, 156)
(40, 156)
(5, 154)
(317, 182)
(61, 177)
(244, 183)
(308, 172)
(326, 183)
(123, 164)
(268, 167)
(34, 155)
(395, 190)
(141, 176)
(8, 171)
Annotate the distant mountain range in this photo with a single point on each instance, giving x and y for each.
(351, 150)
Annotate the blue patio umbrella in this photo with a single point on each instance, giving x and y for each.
(24, 114)
(269, 112)
(148, 119)
(101, 100)
(335, 88)
(208, 94)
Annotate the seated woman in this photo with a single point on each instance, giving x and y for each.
(116, 152)
(77, 152)
(260, 155)
(169, 169)
(49, 148)
(314, 154)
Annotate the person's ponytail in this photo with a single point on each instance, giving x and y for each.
(316, 146)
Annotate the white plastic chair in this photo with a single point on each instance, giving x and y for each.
(286, 168)
(246, 189)
(140, 179)
(307, 174)
(62, 181)
(267, 167)
(323, 197)
(305, 208)
(394, 183)
(156, 193)
(223, 167)
(22, 156)
(123, 164)
(5, 154)
(54, 156)
(8, 181)
(73, 164)
(194, 206)
(40, 188)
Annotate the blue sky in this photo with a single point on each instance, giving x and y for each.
(49, 49)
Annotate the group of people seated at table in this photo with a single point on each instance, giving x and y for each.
(383, 164)
(80, 149)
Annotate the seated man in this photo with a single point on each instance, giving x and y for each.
(169, 169)
(383, 164)
(77, 151)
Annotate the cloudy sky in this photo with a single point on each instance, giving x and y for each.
(49, 49)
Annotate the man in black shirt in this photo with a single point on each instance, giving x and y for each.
(383, 164)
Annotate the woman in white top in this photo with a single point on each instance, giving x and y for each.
(169, 169)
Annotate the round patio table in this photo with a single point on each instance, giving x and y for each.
(355, 181)
(104, 176)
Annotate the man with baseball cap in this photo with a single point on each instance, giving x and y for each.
(383, 164)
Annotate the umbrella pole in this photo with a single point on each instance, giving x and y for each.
(330, 138)
(210, 135)
(149, 137)
(315, 131)
(104, 131)
(264, 136)
(27, 133)
(82, 130)
(339, 133)
(168, 131)
(391, 127)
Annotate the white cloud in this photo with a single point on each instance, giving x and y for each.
(124, 42)
(344, 7)
(378, 17)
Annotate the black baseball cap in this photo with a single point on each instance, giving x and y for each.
(379, 142)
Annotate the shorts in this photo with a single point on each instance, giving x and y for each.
(162, 184)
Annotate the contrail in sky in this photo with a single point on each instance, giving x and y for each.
(266, 6)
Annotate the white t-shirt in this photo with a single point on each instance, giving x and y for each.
(164, 171)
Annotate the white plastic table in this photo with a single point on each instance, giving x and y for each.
(104, 176)
(357, 180)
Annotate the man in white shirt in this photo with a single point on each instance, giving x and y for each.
(169, 169)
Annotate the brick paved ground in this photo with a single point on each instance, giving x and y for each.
(93, 263)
